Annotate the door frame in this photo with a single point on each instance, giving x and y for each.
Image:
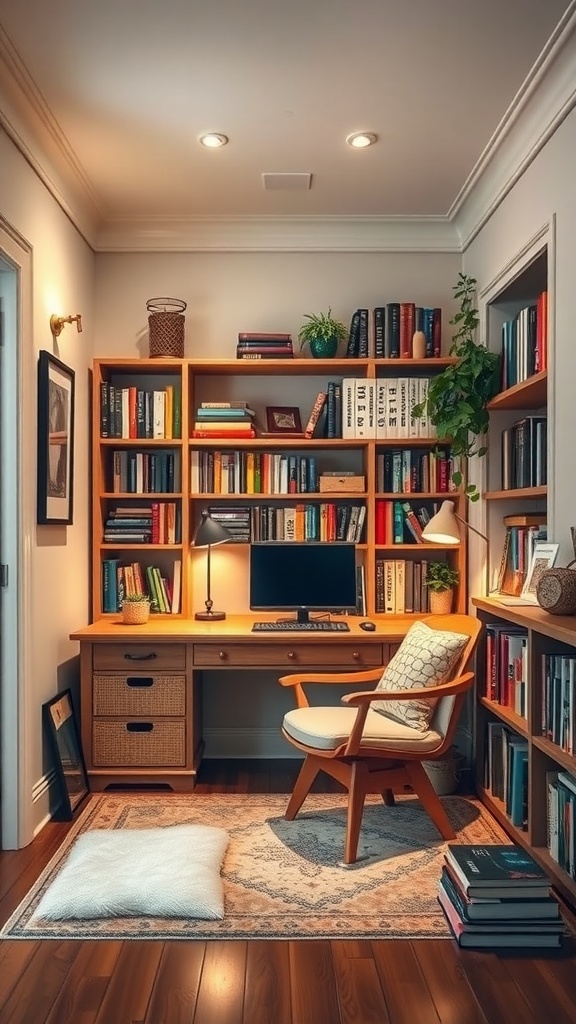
(18, 422)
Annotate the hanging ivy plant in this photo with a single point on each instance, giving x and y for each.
(457, 397)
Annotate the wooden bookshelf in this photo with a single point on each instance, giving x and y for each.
(294, 382)
(546, 635)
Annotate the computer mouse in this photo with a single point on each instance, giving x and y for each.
(368, 626)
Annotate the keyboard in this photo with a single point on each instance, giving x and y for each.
(292, 626)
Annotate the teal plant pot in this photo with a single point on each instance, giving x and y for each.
(324, 348)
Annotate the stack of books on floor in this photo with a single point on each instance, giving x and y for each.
(498, 896)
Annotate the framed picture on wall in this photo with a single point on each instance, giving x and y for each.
(67, 752)
(55, 441)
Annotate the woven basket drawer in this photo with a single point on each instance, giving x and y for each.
(139, 695)
(139, 744)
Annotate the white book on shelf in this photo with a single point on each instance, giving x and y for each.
(424, 425)
(413, 399)
(399, 586)
(392, 408)
(176, 586)
(125, 412)
(158, 414)
(389, 587)
(403, 415)
(361, 420)
(371, 387)
(195, 472)
(348, 406)
(381, 408)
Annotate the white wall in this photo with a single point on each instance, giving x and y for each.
(544, 193)
(63, 283)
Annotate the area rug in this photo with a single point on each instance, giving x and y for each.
(284, 879)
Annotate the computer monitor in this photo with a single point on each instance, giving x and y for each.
(302, 577)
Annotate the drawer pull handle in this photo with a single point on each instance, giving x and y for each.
(222, 655)
(356, 655)
(291, 655)
(139, 726)
(141, 657)
(140, 681)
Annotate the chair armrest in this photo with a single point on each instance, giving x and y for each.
(363, 700)
(457, 685)
(297, 679)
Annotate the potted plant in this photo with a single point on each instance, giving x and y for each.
(441, 579)
(323, 334)
(457, 397)
(135, 609)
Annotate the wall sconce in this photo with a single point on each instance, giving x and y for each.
(57, 323)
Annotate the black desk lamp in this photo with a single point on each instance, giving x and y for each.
(209, 532)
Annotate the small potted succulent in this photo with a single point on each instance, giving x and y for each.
(441, 579)
(135, 609)
(322, 334)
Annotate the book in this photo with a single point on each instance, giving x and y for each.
(263, 336)
(478, 910)
(502, 934)
(495, 870)
(315, 414)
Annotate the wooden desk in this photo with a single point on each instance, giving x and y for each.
(141, 685)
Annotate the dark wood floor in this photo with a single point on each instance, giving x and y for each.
(275, 982)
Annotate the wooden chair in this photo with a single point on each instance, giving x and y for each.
(369, 752)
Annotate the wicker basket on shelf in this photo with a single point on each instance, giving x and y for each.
(135, 613)
(166, 327)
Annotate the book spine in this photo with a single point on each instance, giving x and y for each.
(315, 414)
(379, 332)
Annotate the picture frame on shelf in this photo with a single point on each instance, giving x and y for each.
(55, 477)
(283, 419)
(543, 557)
(69, 765)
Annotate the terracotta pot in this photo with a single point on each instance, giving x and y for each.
(441, 602)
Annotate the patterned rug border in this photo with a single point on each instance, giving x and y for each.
(427, 922)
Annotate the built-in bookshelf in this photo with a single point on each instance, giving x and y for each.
(152, 478)
(517, 327)
(525, 731)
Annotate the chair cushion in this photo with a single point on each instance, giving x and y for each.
(425, 657)
(325, 728)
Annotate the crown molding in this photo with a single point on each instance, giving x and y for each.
(544, 101)
(280, 234)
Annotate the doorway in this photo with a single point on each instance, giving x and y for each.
(16, 532)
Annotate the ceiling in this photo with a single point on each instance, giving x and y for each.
(125, 87)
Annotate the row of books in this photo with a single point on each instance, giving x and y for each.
(558, 700)
(521, 534)
(329, 521)
(131, 579)
(403, 470)
(157, 523)
(398, 522)
(498, 896)
(133, 412)
(401, 586)
(525, 343)
(387, 331)
(561, 832)
(245, 472)
(506, 666)
(506, 771)
(382, 408)
(145, 472)
(524, 453)
(262, 345)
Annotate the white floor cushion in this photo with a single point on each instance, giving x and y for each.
(158, 872)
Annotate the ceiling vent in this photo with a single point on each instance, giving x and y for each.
(289, 182)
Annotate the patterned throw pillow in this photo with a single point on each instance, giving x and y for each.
(425, 658)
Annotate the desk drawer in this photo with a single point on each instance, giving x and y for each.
(138, 743)
(344, 656)
(139, 695)
(148, 657)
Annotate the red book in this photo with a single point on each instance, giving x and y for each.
(224, 434)
(407, 322)
(315, 414)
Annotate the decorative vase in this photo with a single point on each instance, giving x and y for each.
(324, 348)
(135, 613)
(441, 602)
(419, 345)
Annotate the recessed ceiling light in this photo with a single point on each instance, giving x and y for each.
(213, 140)
(360, 140)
